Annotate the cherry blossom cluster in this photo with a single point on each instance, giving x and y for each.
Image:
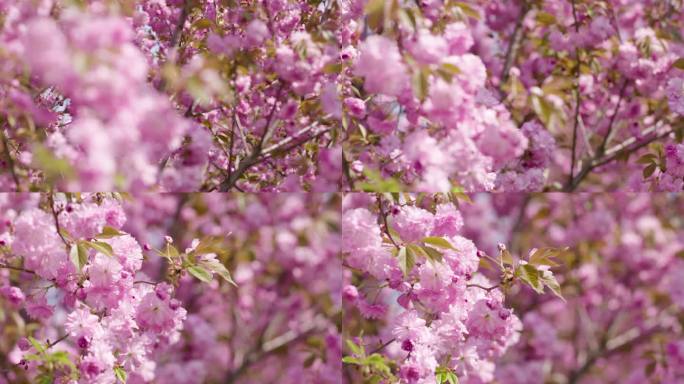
(518, 95)
(107, 288)
(77, 277)
(429, 116)
(372, 95)
(622, 283)
(604, 77)
(166, 95)
(419, 308)
(280, 323)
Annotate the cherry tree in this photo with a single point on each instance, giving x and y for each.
(107, 288)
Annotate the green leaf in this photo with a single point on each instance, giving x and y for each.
(447, 71)
(542, 257)
(45, 378)
(73, 256)
(375, 12)
(32, 357)
(647, 159)
(78, 255)
(417, 250)
(468, 10)
(434, 254)
(406, 260)
(101, 247)
(553, 285)
(62, 358)
(530, 275)
(109, 232)
(376, 183)
(506, 257)
(202, 24)
(170, 251)
(439, 242)
(545, 18)
(351, 360)
(679, 63)
(36, 344)
(211, 244)
(445, 375)
(407, 17)
(356, 349)
(649, 170)
(378, 363)
(218, 268)
(543, 108)
(200, 273)
(120, 374)
(458, 194)
(332, 68)
(420, 83)
(53, 167)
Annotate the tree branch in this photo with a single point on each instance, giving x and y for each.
(383, 214)
(609, 134)
(176, 37)
(488, 289)
(253, 157)
(7, 266)
(578, 100)
(628, 146)
(514, 44)
(51, 202)
(10, 160)
(270, 346)
(611, 347)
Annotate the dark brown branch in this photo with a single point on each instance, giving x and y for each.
(52, 344)
(514, 45)
(578, 101)
(7, 266)
(55, 216)
(488, 289)
(626, 147)
(383, 215)
(609, 134)
(606, 350)
(270, 347)
(10, 161)
(382, 346)
(176, 37)
(253, 158)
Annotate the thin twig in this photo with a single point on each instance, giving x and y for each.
(577, 100)
(626, 147)
(488, 289)
(271, 346)
(50, 345)
(382, 346)
(55, 216)
(514, 45)
(176, 37)
(10, 161)
(7, 266)
(383, 214)
(612, 347)
(252, 159)
(610, 133)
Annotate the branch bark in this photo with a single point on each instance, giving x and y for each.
(10, 161)
(628, 146)
(578, 100)
(270, 346)
(514, 45)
